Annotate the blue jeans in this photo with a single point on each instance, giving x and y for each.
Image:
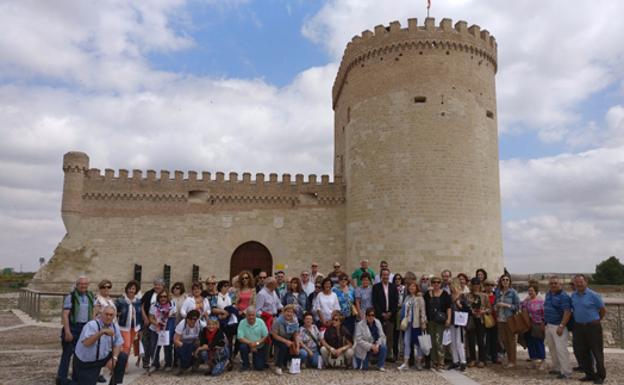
(217, 359)
(68, 351)
(535, 346)
(310, 360)
(259, 357)
(185, 353)
(381, 358)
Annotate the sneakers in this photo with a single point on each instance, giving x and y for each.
(481, 365)
(277, 370)
(382, 369)
(404, 366)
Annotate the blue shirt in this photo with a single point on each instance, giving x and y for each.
(89, 353)
(555, 305)
(586, 306)
(82, 315)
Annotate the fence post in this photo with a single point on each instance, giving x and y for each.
(38, 307)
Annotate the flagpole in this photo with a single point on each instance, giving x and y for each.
(428, 6)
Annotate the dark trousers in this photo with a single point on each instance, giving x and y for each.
(388, 328)
(153, 351)
(87, 373)
(259, 357)
(282, 354)
(68, 351)
(491, 343)
(588, 339)
(476, 339)
(185, 354)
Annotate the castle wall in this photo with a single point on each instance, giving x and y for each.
(416, 109)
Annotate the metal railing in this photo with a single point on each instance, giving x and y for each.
(29, 302)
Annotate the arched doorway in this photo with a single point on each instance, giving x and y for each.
(252, 256)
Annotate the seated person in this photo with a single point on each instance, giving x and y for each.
(337, 343)
(310, 342)
(285, 333)
(370, 340)
(252, 337)
(186, 340)
(213, 348)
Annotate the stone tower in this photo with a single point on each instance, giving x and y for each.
(416, 143)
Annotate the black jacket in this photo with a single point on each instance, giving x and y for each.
(379, 300)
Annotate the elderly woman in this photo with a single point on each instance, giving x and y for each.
(535, 336)
(337, 343)
(507, 303)
(285, 333)
(310, 342)
(196, 302)
(370, 341)
(162, 319)
(416, 315)
(325, 303)
(438, 305)
(244, 292)
(364, 295)
(479, 305)
(103, 297)
(186, 340)
(213, 349)
(491, 334)
(463, 282)
(346, 298)
(129, 317)
(297, 297)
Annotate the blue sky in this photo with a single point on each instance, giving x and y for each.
(243, 85)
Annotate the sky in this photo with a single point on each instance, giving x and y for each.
(236, 85)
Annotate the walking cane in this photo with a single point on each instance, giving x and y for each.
(113, 381)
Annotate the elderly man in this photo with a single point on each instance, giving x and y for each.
(446, 280)
(282, 286)
(252, 337)
(314, 272)
(357, 274)
(100, 345)
(267, 300)
(77, 311)
(386, 302)
(335, 274)
(557, 313)
(383, 265)
(588, 310)
(306, 283)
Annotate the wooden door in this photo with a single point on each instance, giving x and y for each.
(252, 256)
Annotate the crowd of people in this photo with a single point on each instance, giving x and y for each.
(437, 322)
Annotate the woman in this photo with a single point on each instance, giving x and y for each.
(310, 342)
(459, 304)
(482, 275)
(370, 341)
(244, 292)
(491, 334)
(479, 305)
(337, 342)
(129, 317)
(463, 281)
(297, 297)
(535, 337)
(162, 319)
(346, 299)
(438, 305)
(416, 315)
(213, 348)
(400, 285)
(186, 340)
(196, 302)
(507, 303)
(103, 298)
(211, 292)
(178, 297)
(285, 334)
(225, 313)
(325, 303)
(364, 295)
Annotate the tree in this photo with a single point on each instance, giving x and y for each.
(609, 272)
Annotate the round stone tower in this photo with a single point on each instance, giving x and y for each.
(75, 166)
(416, 143)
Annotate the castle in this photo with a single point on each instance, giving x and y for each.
(415, 182)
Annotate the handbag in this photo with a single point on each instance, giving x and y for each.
(520, 322)
(489, 321)
(404, 324)
(446, 337)
(537, 331)
(163, 338)
(424, 341)
(439, 317)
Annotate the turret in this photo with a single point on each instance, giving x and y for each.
(75, 166)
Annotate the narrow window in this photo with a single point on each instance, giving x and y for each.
(489, 114)
(420, 99)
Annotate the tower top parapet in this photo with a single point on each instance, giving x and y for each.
(387, 39)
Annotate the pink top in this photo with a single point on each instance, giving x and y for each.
(535, 307)
(244, 297)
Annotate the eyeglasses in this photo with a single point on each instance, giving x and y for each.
(212, 283)
(162, 296)
(344, 279)
(436, 282)
(177, 287)
(370, 315)
(106, 287)
(192, 319)
(337, 267)
(505, 280)
(305, 275)
(336, 319)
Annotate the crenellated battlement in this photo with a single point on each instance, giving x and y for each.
(426, 38)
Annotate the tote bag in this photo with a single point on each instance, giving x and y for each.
(424, 341)
(163, 338)
(461, 318)
(295, 366)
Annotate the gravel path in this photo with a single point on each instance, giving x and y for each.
(7, 318)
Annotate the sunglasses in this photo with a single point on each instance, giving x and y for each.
(106, 287)
(370, 315)
(245, 278)
(336, 319)
(505, 280)
(177, 287)
(305, 275)
(436, 282)
(162, 296)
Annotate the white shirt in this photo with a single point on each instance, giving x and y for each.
(385, 289)
(223, 301)
(326, 304)
(189, 304)
(308, 288)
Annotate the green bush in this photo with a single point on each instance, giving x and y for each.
(609, 272)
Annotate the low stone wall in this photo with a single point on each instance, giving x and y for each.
(613, 324)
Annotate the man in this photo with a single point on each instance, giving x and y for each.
(267, 300)
(77, 311)
(383, 265)
(100, 345)
(252, 336)
(386, 302)
(147, 300)
(260, 281)
(314, 273)
(557, 313)
(281, 287)
(334, 275)
(306, 284)
(357, 274)
(588, 310)
(446, 280)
